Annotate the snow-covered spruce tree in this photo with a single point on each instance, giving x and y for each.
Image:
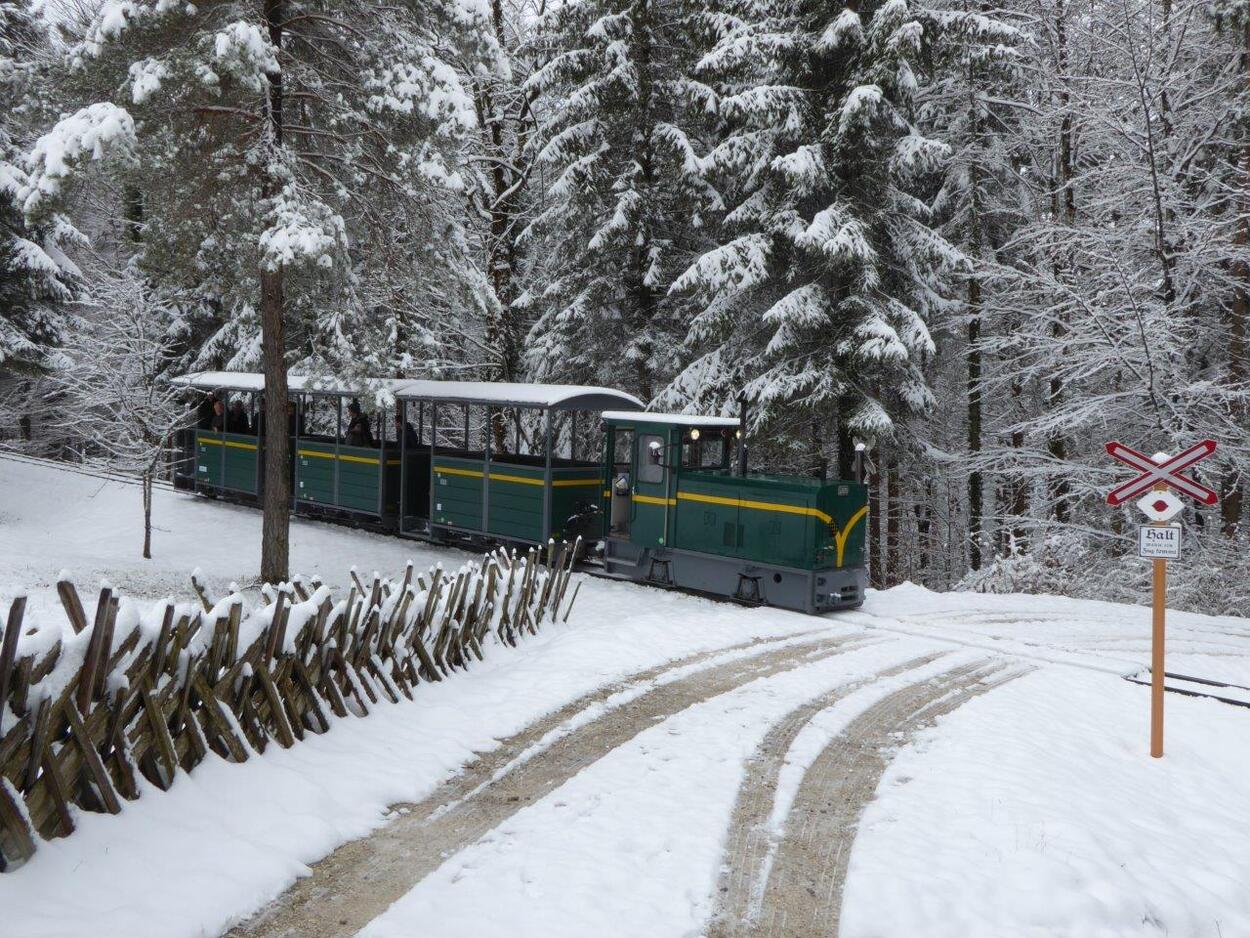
(274, 140)
(625, 205)
(817, 301)
(36, 277)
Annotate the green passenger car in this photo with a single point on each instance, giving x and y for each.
(227, 462)
(508, 501)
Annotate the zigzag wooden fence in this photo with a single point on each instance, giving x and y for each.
(101, 707)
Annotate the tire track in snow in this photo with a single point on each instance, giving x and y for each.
(750, 842)
(802, 896)
(358, 881)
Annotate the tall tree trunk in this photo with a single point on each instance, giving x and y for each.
(976, 508)
(1057, 444)
(275, 546)
(875, 572)
(891, 574)
(147, 514)
(1232, 503)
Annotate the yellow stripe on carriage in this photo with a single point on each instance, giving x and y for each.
(361, 459)
(209, 441)
(518, 480)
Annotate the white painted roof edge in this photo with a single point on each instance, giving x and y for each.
(680, 420)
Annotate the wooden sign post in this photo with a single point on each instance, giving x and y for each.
(1160, 541)
(1159, 604)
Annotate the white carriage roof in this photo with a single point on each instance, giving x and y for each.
(679, 420)
(500, 393)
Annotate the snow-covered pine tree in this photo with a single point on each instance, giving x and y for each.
(818, 299)
(625, 207)
(274, 141)
(36, 276)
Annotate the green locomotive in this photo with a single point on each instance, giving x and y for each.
(678, 515)
(666, 497)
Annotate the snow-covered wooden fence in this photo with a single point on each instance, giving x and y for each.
(129, 694)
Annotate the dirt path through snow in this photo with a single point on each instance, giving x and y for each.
(361, 879)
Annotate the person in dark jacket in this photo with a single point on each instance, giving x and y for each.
(358, 432)
(204, 412)
(218, 421)
(292, 423)
(236, 419)
(405, 432)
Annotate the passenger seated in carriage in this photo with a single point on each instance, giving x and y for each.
(218, 421)
(358, 432)
(405, 432)
(236, 419)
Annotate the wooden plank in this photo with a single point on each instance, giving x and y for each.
(58, 790)
(223, 726)
(201, 593)
(72, 604)
(17, 840)
(277, 714)
(160, 734)
(8, 651)
(38, 740)
(95, 765)
(300, 675)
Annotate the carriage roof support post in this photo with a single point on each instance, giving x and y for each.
(338, 445)
(382, 461)
(485, 471)
(401, 434)
(546, 525)
(258, 422)
(221, 448)
(433, 460)
(742, 434)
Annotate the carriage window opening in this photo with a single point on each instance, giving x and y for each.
(623, 449)
(321, 418)
(650, 469)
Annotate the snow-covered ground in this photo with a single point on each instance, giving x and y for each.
(1029, 808)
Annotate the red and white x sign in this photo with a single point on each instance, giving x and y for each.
(1168, 472)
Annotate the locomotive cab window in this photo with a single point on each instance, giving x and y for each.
(651, 458)
(703, 451)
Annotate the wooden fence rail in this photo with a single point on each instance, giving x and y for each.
(129, 694)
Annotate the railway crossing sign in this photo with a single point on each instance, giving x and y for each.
(1159, 541)
(1166, 472)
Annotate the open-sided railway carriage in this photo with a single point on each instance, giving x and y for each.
(667, 497)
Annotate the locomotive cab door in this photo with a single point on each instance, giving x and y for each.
(621, 483)
(651, 500)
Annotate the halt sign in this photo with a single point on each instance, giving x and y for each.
(1159, 541)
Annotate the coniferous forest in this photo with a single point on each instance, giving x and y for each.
(979, 240)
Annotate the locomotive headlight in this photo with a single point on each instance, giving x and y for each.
(694, 433)
(737, 434)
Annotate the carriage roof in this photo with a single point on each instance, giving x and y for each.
(498, 393)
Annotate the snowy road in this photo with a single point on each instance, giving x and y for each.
(936, 765)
